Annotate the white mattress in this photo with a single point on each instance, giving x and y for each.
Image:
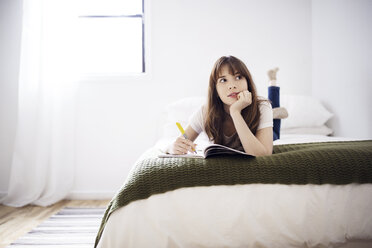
(254, 215)
(307, 138)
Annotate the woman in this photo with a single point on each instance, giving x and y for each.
(234, 115)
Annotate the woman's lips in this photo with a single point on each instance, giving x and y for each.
(234, 95)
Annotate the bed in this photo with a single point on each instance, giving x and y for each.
(323, 200)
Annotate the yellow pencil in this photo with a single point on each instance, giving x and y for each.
(183, 132)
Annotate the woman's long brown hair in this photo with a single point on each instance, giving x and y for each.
(215, 114)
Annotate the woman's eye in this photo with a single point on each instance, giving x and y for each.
(238, 77)
(222, 80)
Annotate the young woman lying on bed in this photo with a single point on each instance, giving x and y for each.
(235, 116)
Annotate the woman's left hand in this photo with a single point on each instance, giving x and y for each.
(244, 100)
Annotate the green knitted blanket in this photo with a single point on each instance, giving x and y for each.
(311, 163)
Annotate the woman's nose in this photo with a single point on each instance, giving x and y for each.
(232, 86)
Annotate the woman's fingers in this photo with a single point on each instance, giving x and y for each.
(245, 96)
(183, 146)
(187, 142)
(249, 97)
(178, 151)
(182, 149)
(188, 145)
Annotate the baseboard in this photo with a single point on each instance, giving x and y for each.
(3, 194)
(91, 195)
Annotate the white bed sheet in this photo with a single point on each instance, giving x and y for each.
(254, 215)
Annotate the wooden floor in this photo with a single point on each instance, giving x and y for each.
(15, 222)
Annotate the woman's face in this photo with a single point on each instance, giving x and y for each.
(228, 86)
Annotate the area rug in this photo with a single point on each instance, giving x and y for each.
(70, 228)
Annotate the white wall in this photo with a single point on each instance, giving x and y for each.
(342, 68)
(10, 36)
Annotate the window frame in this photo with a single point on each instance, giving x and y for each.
(120, 77)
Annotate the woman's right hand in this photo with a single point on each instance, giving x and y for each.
(182, 146)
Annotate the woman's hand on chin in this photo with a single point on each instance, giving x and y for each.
(244, 100)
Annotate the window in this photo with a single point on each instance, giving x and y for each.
(111, 37)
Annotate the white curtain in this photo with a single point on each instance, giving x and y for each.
(42, 171)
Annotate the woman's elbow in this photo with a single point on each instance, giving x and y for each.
(265, 152)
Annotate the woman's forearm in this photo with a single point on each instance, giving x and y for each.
(250, 143)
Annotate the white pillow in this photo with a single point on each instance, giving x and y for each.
(322, 130)
(181, 110)
(303, 111)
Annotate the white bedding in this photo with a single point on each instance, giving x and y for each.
(307, 138)
(254, 215)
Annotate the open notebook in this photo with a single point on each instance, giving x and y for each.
(208, 151)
